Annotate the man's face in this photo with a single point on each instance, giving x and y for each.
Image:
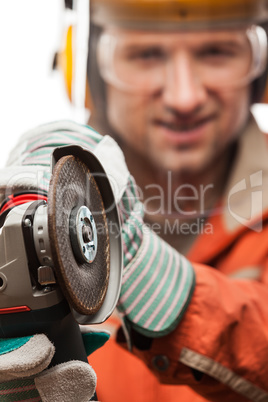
(184, 100)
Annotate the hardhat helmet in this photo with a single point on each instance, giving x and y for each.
(177, 14)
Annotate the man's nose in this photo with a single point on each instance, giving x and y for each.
(184, 89)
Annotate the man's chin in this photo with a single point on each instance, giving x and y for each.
(181, 164)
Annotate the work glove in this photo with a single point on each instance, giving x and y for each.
(29, 163)
(24, 375)
(158, 282)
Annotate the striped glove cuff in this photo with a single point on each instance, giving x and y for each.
(157, 287)
(19, 390)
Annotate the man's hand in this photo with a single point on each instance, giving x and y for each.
(24, 375)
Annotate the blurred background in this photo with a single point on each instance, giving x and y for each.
(31, 31)
(31, 92)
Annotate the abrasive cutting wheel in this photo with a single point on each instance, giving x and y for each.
(79, 235)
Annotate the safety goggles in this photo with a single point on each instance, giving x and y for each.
(144, 62)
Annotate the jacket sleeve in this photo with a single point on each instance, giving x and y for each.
(220, 348)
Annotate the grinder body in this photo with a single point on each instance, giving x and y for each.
(27, 306)
(32, 298)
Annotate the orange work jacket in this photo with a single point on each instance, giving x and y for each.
(219, 351)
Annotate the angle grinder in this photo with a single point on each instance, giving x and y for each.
(60, 255)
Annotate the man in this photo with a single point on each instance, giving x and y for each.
(173, 83)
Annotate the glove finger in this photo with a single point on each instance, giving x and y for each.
(29, 359)
(69, 382)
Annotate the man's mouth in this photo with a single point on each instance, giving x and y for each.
(183, 125)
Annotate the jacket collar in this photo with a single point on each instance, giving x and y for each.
(244, 205)
(246, 194)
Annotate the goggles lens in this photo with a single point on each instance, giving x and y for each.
(144, 61)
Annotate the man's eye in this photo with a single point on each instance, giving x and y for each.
(150, 54)
(215, 52)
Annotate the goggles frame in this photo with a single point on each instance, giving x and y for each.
(107, 44)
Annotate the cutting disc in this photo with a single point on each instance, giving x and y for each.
(72, 188)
